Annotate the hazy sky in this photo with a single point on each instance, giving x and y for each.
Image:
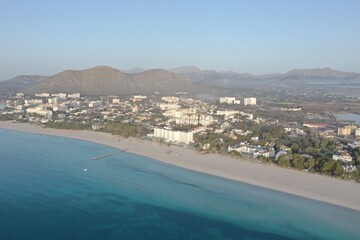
(45, 37)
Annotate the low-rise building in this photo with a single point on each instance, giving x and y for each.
(55, 100)
(59, 108)
(295, 131)
(169, 106)
(138, 98)
(40, 111)
(315, 125)
(357, 132)
(42, 95)
(344, 157)
(116, 100)
(19, 95)
(59, 95)
(228, 100)
(95, 104)
(227, 112)
(74, 95)
(29, 102)
(252, 150)
(170, 99)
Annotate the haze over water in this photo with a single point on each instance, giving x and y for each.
(46, 194)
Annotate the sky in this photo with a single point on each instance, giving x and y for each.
(248, 36)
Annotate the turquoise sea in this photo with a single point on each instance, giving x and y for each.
(46, 194)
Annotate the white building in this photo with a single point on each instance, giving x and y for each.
(252, 150)
(95, 104)
(295, 131)
(250, 101)
(74, 95)
(55, 100)
(169, 106)
(19, 95)
(43, 95)
(344, 157)
(29, 102)
(173, 136)
(170, 99)
(249, 116)
(193, 119)
(206, 120)
(39, 111)
(227, 112)
(59, 95)
(229, 100)
(138, 98)
(187, 119)
(59, 108)
(116, 100)
(357, 132)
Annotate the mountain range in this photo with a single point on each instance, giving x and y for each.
(322, 77)
(104, 80)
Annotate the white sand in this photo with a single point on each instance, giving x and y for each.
(313, 186)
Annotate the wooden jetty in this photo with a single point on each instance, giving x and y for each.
(108, 155)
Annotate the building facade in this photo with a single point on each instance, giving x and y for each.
(173, 136)
(250, 101)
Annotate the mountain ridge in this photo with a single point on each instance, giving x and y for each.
(102, 80)
(105, 80)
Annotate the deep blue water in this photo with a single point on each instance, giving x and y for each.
(46, 194)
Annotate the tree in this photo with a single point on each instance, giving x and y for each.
(295, 147)
(309, 163)
(310, 150)
(356, 175)
(338, 169)
(327, 167)
(283, 161)
(323, 143)
(267, 137)
(298, 162)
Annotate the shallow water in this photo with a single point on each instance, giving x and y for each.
(46, 194)
(348, 117)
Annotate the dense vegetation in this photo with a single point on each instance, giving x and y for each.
(69, 125)
(125, 129)
(307, 153)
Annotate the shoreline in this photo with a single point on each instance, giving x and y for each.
(312, 186)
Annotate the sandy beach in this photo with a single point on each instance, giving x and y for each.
(313, 186)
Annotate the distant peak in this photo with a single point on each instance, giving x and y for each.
(157, 70)
(103, 67)
(185, 69)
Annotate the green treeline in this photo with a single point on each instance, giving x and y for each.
(125, 129)
(69, 125)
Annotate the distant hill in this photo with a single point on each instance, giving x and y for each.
(321, 73)
(104, 80)
(185, 69)
(306, 78)
(18, 83)
(320, 76)
(134, 70)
